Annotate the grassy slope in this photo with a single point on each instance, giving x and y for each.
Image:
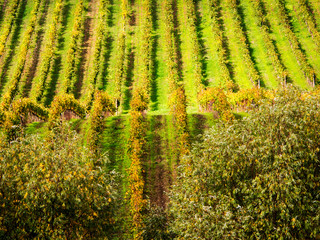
(161, 85)
(114, 31)
(11, 50)
(295, 74)
(258, 51)
(187, 58)
(307, 43)
(239, 68)
(64, 41)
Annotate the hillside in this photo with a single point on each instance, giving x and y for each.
(141, 80)
(53, 47)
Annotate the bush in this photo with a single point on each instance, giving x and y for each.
(257, 178)
(249, 98)
(214, 99)
(156, 224)
(54, 190)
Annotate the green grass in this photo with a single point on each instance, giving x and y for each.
(295, 74)
(65, 40)
(308, 45)
(258, 50)
(239, 69)
(213, 68)
(160, 94)
(187, 59)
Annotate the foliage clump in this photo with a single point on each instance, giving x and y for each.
(214, 99)
(248, 98)
(54, 190)
(136, 148)
(16, 117)
(102, 104)
(64, 102)
(257, 178)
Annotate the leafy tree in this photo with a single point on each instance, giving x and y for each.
(257, 178)
(53, 189)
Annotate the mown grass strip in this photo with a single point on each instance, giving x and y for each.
(268, 58)
(244, 67)
(218, 72)
(73, 55)
(9, 20)
(47, 54)
(15, 79)
(97, 62)
(278, 17)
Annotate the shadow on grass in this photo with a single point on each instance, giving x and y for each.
(155, 43)
(203, 51)
(12, 46)
(56, 64)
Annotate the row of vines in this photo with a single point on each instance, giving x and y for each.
(192, 56)
(228, 42)
(9, 23)
(15, 78)
(74, 53)
(42, 78)
(96, 64)
(260, 20)
(138, 124)
(216, 44)
(237, 35)
(301, 9)
(278, 17)
(178, 104)
(121, 62)
(7, 38)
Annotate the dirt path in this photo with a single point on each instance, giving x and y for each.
(88, 41)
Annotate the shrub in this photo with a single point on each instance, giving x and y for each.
(214, 99)
(53, 190)
(101, 105)
(257, 178)
(156, 224)
(248, 98)
(17, 116)
(64, 102)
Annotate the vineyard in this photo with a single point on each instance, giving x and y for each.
(141, 80)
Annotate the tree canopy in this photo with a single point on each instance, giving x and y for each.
(257, 178)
